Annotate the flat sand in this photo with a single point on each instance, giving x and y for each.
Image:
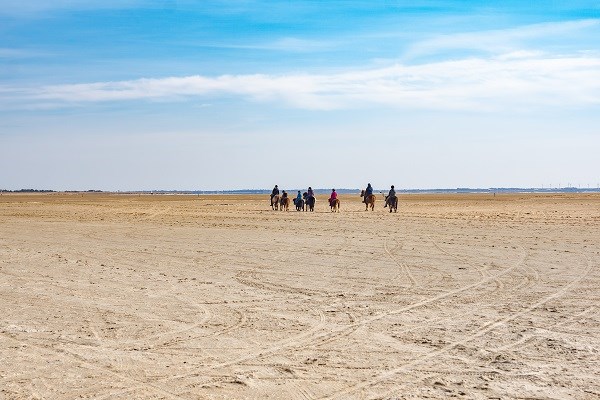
(108, 296)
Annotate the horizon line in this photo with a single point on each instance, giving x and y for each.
(322, 190)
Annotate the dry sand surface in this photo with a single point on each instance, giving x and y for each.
(218, 297)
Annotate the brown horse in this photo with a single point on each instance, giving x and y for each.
(284, 203)
(392, 203)
(369, 200)
(275, 202)
(335, 205)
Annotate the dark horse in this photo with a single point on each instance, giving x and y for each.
(392, 202)
(369, 200)
(309, 202)
(299, 203)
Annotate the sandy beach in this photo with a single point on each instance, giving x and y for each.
(113, 296)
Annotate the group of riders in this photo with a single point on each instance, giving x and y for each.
(309, 196)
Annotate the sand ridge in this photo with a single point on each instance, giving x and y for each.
(110, 296)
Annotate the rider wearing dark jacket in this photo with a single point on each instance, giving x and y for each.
(274, 193)
(390, 197)
(368, 192)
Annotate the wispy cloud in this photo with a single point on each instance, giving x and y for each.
(284, 44)
(293, 44)
(500, 41)
(510, 81)
(14, 53)
(38, 8)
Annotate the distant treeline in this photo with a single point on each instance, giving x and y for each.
(325, 191)
(251, 191)
(27, 191)
(48, 191)
(357, 191)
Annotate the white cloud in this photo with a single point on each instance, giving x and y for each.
(501, 40)
(512, 81)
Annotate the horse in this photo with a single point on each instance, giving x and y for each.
(369, 200)
(284, 203)
(299, 203)
(275, 202)
(335, 205)
(309, 202)
(392, 203)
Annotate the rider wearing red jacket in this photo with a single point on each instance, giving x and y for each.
(332, 197)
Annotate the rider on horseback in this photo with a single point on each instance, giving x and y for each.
(368, 192)
(298, 198)
(309, 199)
(274, 193)
(333, 197)
(389, 199)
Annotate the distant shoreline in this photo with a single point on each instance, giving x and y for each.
(318, 191)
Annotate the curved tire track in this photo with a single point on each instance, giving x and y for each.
(490, 326)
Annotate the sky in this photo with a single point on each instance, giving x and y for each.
(246, 94)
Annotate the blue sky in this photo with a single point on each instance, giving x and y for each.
(130, 95)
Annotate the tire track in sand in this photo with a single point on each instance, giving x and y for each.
(490, 326)
(482, 271)
(65, 354)
(403, 266)
(524, 342)
(313, 335)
